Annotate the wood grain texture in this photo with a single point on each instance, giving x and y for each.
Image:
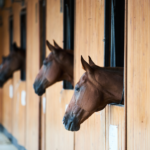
(115, 116)
(32, 68)
(43, 122)
(18, 124)
(138, 75)
(19, 111)
(125, 72)
(6, 100)
(7, 107)
(89, 34)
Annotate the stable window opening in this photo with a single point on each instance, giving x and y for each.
(68, 25)
(42, 31)
(23, 38)
(10, 33)
(114, 33)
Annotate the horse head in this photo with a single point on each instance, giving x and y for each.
(56, 67)
(13, 62)
(96, 88)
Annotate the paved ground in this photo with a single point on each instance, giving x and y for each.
(5, 144)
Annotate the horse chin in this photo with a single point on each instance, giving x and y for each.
(40, 92)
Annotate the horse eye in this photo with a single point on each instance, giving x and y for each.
(77, 88)
(45, 62)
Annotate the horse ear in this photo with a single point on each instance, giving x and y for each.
(91, 62)
(51, 47)
(56, 45)
(15, 47)
(86, 66)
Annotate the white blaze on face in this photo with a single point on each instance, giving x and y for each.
(66, 107)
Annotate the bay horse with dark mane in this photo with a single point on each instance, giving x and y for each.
(58, 66)
(16, 60)
(97, 87)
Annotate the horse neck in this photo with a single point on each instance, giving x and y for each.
(22, 59)
(68, 69)
(111, 82)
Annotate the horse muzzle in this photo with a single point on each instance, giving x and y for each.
(38, 88)
(71, 123)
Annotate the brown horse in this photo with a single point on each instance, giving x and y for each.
(96, 88)
(56, 67)
(13, 62)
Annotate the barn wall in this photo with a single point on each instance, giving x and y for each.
(18, 123)
(32, 68)
(22, 121)
(6, 100)
(56, 135)
(89, 35)
(13, 113)
(138, 75)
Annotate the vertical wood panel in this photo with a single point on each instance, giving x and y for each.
(115, 116)
(7, 107)
(89, 34)
(18, 124)
(7, 101)
(56, 135)
(138, 75)
(32, 68)
(43, 122)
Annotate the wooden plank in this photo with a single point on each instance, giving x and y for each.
(138, 75)
(7, 107)
(7, 101)
(18, 124)
(125, 71)
(32, 68)
(43, 122)
(19, 109)
(115, 116)
(89, 34)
